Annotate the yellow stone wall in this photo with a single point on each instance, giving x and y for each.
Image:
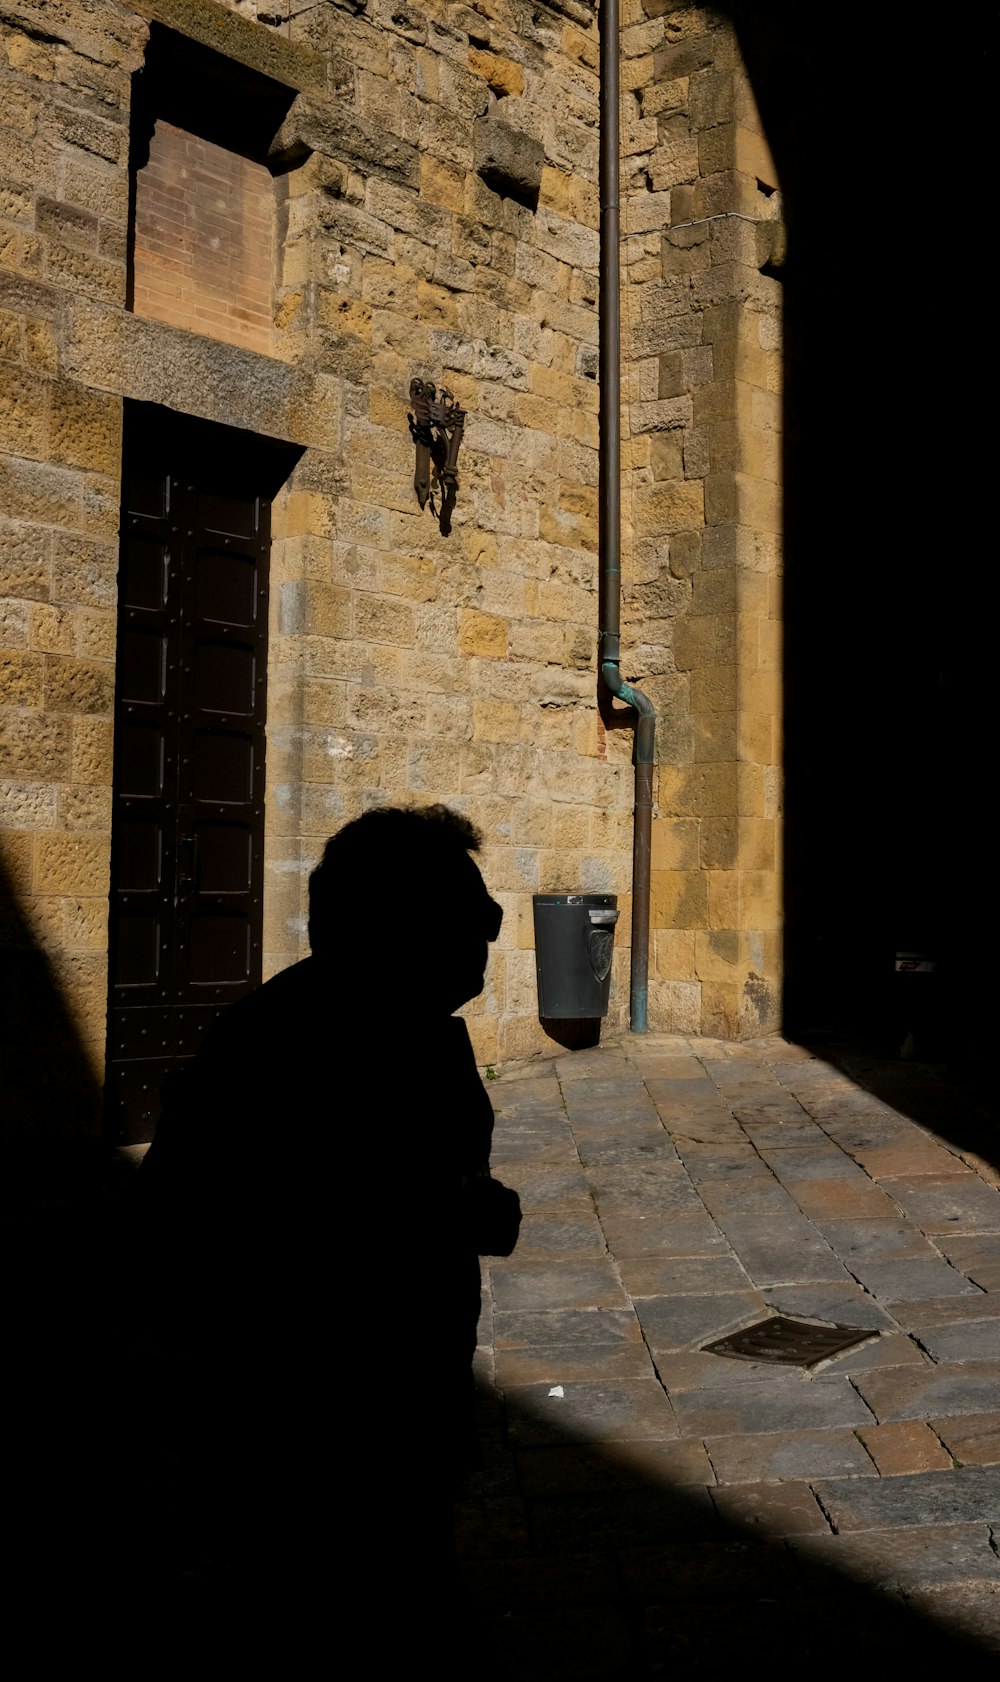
(407, 665)
(703, 568)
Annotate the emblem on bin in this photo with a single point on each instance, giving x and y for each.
(574, 948)
(601, 941)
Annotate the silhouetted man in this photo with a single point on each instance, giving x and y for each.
(315, 1201)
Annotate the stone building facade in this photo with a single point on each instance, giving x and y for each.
(266, 219)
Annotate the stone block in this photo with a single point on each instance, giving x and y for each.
(905, 1447)
(787, 1509)
(15, 621)
(502, 75)
(24, 413)
(52, 628)
(383, 619)
(72, 864)
(947, 1203)
(84, 572)
(26, 806)
(678, 899)
(483, 634)
(964, 1495)
(22, 678)
(972, 1440)
(908, 1393)
(24, 561)
(33, 746)
(496, 721)
(898, 1559)
(506, 159)
(78, 686)
(93, 750)
(773, 1402)
(85, 807)
(674, 844)
(662, 509)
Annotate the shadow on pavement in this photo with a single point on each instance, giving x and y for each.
(579, 1564)
(952, 1101)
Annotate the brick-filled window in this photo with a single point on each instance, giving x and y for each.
(203, 224)
(204, 239)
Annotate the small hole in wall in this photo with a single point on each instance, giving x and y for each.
(502, 184)
(763, 187)
(482, 42)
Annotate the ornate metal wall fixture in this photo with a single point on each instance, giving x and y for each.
(436, 426)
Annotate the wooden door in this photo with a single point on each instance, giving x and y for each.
(188, 812)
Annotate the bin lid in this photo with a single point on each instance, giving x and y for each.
(575, 899)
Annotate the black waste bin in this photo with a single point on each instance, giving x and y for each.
(574, 945)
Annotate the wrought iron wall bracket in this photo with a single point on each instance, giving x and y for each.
(436, 426)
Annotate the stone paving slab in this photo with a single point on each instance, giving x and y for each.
(651, 1144)
(747, 1199)
(557, 1235)
(810, 1161)
(710, 1126)
(889, 1349)
(537, 1149)
(894, 1239)
(558, 1363)
(972, 1439)
(964, 1495)
(974, 1606)
(681, 1322)
(947, 1202)
(778, 1509)
(581, 1470)
(767, 1129)
(903, 1558)
(719, 1162)
(651, 1234)
(914, 1156)
(907, 1445)
(842, 1200)
(946, 1311)
(969, 1340)
(704, 1571)
(557, 1284)
(571, 1411)
(693, 1370)
(685, 1236)
(624, 1518)
(977, 1257)
(782, 1403)
(548, 1188)
(905, 1393)
(642, 1186)
(778, 1455)
(840, 1302)
(520, 1328)
(682, 1275)
(782, 1250)
(911, 1279)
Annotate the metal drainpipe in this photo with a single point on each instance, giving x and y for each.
(610, 516)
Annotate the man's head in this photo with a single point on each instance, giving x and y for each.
(397, 897)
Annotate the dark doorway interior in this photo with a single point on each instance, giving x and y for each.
(188, 814)
(882, 151)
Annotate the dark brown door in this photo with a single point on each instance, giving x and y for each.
(188, 814)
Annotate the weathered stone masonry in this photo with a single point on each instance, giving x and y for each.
(434, 212)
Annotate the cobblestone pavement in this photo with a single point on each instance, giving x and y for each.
(646, 1507)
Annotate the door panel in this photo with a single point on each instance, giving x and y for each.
(187, 837)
